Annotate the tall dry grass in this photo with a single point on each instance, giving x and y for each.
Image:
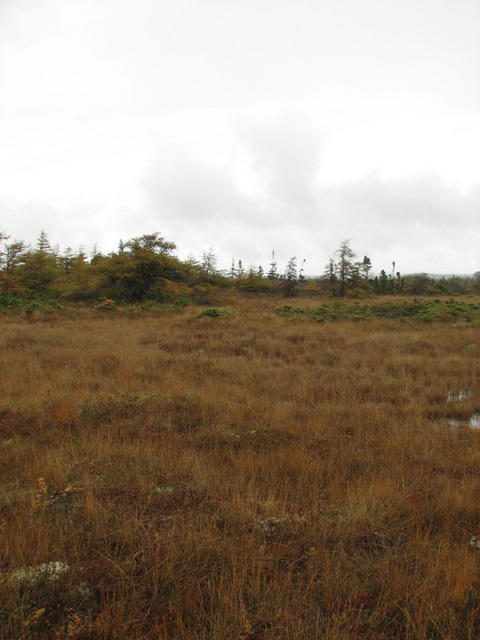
(238, 477)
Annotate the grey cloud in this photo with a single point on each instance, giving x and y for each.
(200, 205)
(286, 155)
(73, 227)
(420, 222)
(194, 190)
(407, 201)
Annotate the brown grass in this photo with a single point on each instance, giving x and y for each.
(238, 478)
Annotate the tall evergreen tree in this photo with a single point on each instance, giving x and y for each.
(273, 273)
(209, 262)
(289, 284)
(291, 269)
(330, 276)
(346, 268)
(43, 243)
(233, 271)
(240, 270)
(301, 277)
(366, 267)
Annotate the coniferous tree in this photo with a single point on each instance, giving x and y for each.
(95, 254)
(291, 269)
(273, 273)
(301, 277)
(43, 243)
(36, 275)
(82, 276)
(240, 270)
(330, 276)
(346, 269)
(476, 280)
(383, 281)
(289, 283)
(140, 270)
(209, 262)
(12, 255)
(366, 267)
(66, 260)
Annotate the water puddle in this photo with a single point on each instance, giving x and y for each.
(456, 396)
(473, 422)
(458, 423)
(453, 423)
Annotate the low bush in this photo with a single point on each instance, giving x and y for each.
(215, 313)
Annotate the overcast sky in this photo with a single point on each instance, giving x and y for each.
(246, 126)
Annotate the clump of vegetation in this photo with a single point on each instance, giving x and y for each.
(215, 313)
(399, 309)
(106, 305)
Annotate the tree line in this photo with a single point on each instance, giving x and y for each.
(146, 268)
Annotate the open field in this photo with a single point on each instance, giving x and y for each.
(253, 476)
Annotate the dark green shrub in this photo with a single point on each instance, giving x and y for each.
(215, 313)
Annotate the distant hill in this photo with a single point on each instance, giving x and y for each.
(439, 276)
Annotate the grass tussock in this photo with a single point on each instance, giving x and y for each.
(239, 476)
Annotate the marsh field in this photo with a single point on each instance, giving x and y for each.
(264, 473)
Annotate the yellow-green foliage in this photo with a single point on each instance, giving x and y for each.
(255, 476)
(106, 305)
